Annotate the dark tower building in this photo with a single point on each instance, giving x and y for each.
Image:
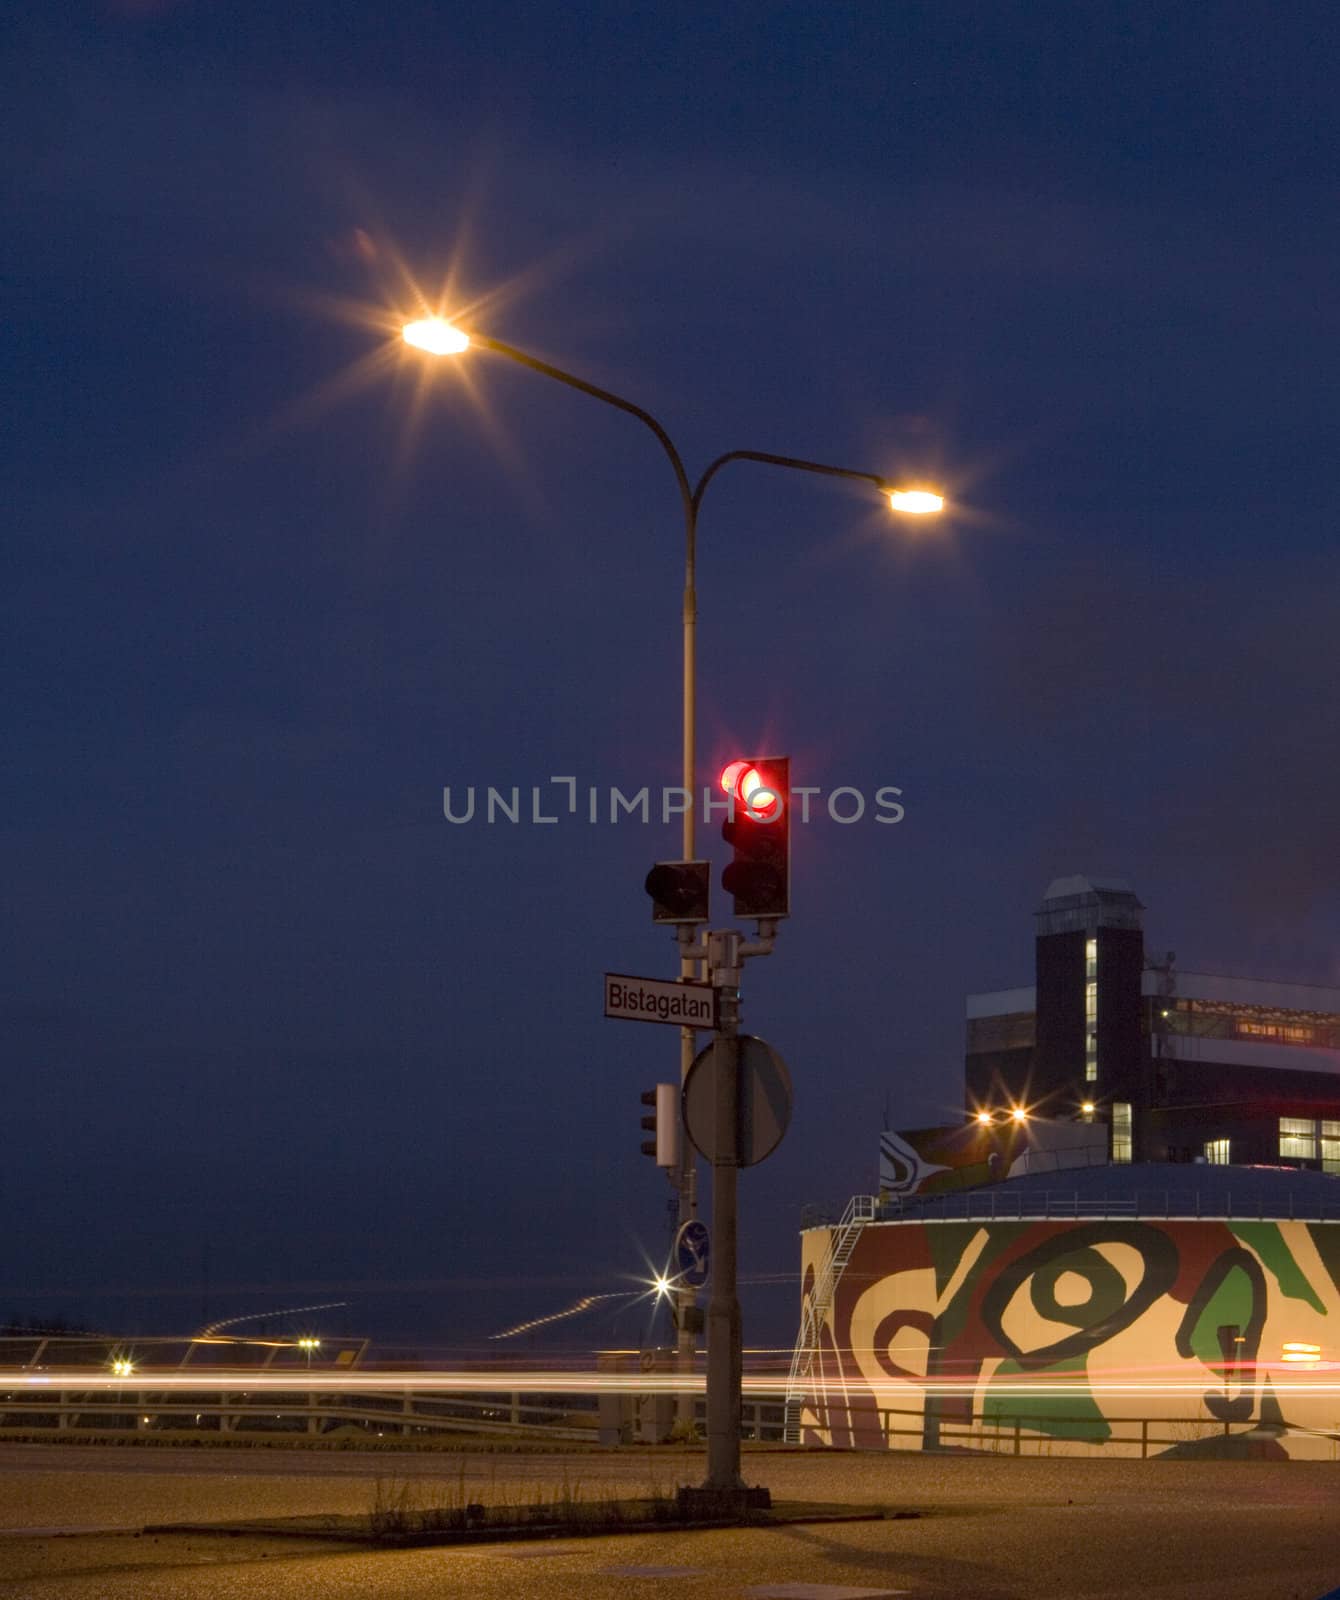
(1181, 1066)
(1090, 956)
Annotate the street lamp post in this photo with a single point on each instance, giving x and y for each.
(437, 336)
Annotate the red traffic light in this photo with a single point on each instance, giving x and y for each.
(745, 783)
(759, 833)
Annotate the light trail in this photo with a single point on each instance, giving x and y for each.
(584, 1304)
(260, 1316)
(28, 1384)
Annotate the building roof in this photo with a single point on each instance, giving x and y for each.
(1314, 998)
(1003, 1003)
(1137, 1189)
(1083, 903)
(1081, 884)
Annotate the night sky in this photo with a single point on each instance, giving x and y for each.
(275, 1032)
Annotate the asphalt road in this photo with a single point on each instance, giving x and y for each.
(993, 1528)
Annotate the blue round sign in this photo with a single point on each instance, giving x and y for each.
(691, 1254)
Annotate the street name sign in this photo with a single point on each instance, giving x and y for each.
(684, 1005)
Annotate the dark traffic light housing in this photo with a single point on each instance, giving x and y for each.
(662, 1124)
(680, 891)
(760, 832)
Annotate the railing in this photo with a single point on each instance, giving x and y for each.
(1022, 1435)
(228, 1413)
(988, 1205)
(383, 1415)
(519, 1415)
(860, 1210)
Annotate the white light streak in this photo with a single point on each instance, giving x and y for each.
(251, 1381)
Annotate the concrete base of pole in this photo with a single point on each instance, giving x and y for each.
(706, 1504)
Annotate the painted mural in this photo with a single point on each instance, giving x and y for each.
(1105, 1337)
(932, 1160)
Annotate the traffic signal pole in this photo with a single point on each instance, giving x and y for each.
(686, 1298)
(725, 1360)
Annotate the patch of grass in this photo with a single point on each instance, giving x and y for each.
(402, 1509)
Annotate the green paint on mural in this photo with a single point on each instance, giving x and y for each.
(1268, 1243)
(946, 1242)
(1071, 1414)
(1231, 1305)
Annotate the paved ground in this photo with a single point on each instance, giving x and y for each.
(1091, 1530)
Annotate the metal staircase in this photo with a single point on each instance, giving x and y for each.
(860, 1210)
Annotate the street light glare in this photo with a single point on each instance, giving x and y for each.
(918, 502)
(435, 335)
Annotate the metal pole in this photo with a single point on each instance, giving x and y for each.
(724, 1356)
(686, 1301)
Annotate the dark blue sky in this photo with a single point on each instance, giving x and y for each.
(1075, 261)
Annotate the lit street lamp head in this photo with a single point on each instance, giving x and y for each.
(435, 335)
(916, 502)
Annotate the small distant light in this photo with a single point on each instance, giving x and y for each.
(122, 1368)
(435, 335)
(918, 502)
(662, 1286)
(1166, 1013)
(1019, 1114)
(984, 1116)
(1087, 1108)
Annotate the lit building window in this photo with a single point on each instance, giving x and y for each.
(1091, 958)
(1216, 1152)
(1246, 1029)
(1121, 1130)
(1330, 1151)
(1091, 1011)
(1298, 1138)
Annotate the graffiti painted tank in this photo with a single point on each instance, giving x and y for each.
(1142, 1310)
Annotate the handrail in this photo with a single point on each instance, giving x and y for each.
(861, 1209)
(1164, 1205)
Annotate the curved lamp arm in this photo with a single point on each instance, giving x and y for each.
(597, 393)
(794, 462)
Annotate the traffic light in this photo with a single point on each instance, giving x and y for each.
(680, 891)
(662, 1124)
(760, 832)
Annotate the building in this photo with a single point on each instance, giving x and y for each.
(1179, 1065)
(1129, 1245)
